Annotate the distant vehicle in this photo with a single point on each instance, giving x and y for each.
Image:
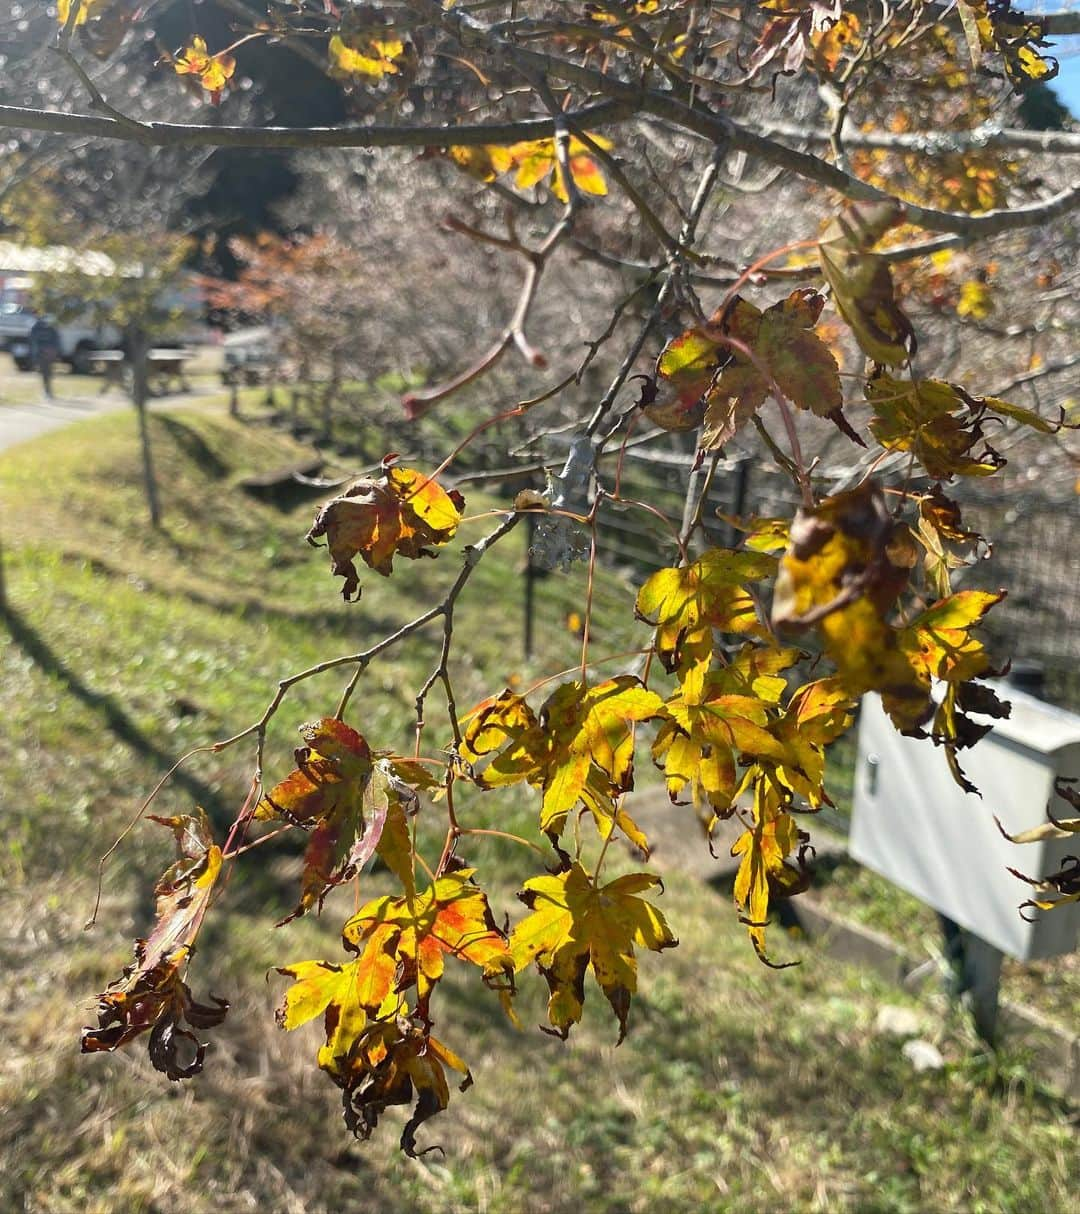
(250, 355)
(78, 339)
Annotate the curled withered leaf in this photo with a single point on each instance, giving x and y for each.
(862, 283)
(1055, 889)
(402, 512)
(401, 1061)
(941, 423)
(789, 36)
(374, 1052)
(947, 544)
(1054, 828)
(151, 993)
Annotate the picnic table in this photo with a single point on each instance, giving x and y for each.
(164, 368)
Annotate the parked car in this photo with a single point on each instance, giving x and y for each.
(250, 355)
(78, 339)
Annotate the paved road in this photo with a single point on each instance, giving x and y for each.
(21, 420)
(25, 421)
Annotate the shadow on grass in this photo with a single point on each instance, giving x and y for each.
(112, 715)
(193, 445)
(237, 604)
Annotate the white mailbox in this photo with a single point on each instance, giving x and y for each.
(915, 826)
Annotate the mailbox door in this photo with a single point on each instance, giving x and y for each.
(915, 826)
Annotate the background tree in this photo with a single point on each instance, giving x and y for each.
(133, 282)
(747, 147)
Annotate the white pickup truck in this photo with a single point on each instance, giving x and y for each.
(77, 340)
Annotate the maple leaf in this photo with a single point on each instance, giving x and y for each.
(213, 72)
(405, 940)
(348, 997)
(941, 423)
(862, 284)
(402, 512)
(485, 162)
(581, 748)
(785, 356)
(535, 160)
(573, 925)
(724, 370)
(993, 25)
(830, 44)
(816, 714)
(688, 365)
(352, 804)
(151, 994)
(367, 57)
(708, 593)
(938, 645)
(718, 719)
(938, 422)
(839, 573)
(763, 874)
(941, 532)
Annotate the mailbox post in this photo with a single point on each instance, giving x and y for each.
(912, 824)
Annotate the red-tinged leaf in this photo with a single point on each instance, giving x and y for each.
(411, 936)
(213, 72)
(352, 805)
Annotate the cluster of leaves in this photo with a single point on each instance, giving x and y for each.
(534, 161)
(740, 732)
(739, 720)
(820, 33)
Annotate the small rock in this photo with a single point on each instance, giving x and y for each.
(923, 1055)
(898, 1021)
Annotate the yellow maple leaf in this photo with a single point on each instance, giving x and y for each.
(574, 926)
(213, 72)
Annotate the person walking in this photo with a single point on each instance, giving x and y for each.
(45, 350)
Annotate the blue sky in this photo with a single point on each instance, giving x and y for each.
(1065, 50)
(1067, 82)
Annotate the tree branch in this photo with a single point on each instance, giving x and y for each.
(174, 134)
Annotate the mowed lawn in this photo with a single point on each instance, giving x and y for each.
(738, 1088)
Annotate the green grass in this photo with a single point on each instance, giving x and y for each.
(739, 1088)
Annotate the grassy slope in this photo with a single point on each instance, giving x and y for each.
(738, 1087)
